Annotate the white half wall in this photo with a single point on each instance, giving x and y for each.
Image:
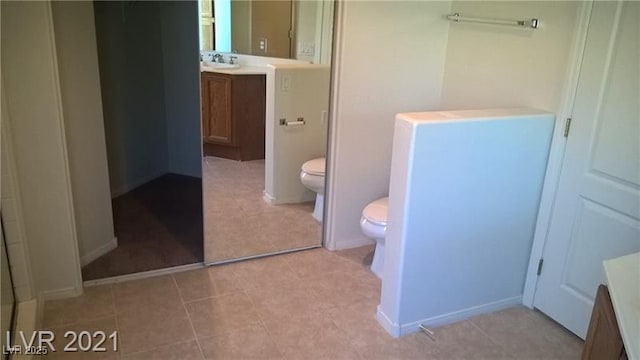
(30, 78)
(463, 202)
(500, 66)
(84, 125)
(389, 58)
(301, 91)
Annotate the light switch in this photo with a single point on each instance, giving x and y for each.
(286, 83)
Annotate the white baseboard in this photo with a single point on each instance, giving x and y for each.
(88, 258)
(352, 243)
(397, 330)
(125, 188)
(269, 199)
(59, 294)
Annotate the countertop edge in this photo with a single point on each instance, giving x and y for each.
(620, 272)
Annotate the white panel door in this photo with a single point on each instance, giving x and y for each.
(597, 206)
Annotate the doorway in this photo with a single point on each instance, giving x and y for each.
(148, 62)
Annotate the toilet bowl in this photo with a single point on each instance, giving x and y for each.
(374, 225)
(312, 177)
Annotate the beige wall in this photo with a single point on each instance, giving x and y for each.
(497, 66)
(12, 219)
(240, 26)
(389, 58)
(306, 95)
(306, 14)
(271, 20)
(30, 78)
(84, 126)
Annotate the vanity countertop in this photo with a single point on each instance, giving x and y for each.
(242, 70)
(623, 276)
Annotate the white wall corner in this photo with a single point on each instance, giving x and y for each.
(392, 328)
(58, 294)
(460, 315)
(397, 330)
(96, 253)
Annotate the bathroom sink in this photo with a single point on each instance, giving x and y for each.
(215, 65)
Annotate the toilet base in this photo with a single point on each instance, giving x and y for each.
(377, 265)
(318, 209)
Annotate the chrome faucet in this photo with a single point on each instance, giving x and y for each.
(217, 58)
(231, 58)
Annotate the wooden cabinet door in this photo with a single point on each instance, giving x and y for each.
(217, 125)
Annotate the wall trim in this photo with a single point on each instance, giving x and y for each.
(351, 243)
(556, 154)
(329, 240)
(59, 117)
(58, 294)
(269, 199)
(397, 330)
(96, 253)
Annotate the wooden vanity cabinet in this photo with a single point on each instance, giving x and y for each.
(603, 341)
(233, 115)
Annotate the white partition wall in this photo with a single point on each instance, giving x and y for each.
(463, 201)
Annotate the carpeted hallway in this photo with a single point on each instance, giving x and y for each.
(158, 225)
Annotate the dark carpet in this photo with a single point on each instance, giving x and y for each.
(158, 225)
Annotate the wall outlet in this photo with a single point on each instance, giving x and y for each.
(262, 44)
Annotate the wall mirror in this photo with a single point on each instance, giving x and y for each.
(289, 29)
(260, 124)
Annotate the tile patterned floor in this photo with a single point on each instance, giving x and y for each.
(239, 223)
(312, 304)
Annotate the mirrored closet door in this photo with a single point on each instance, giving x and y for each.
(261, 122)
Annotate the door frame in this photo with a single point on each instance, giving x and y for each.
(556, 154)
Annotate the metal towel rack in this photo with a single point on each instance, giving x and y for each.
(526, 23)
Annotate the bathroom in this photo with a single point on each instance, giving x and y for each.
(369, 88)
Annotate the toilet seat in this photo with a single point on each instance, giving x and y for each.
(315, 167)
(377, 212)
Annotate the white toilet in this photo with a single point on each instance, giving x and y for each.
(312, 177)
(374, 225)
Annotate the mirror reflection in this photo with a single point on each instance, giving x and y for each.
(264, 127)
(281, 28)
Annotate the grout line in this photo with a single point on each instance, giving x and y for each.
(159, 347)
(184, 308)
(264, 325)
(115, 316)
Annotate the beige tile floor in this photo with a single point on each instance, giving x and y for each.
(312, 304)
(239, 223)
